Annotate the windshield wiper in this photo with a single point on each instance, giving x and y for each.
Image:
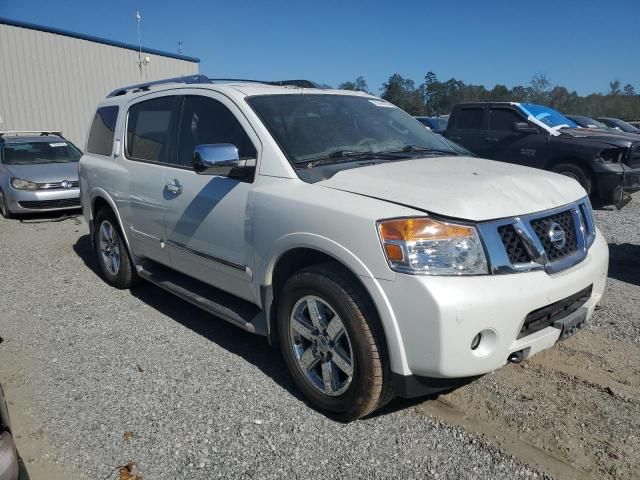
(419, 148)
(340, 156)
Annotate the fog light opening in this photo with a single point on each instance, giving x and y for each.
(476, 341)
(484, 343)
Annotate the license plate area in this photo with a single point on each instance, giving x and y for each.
(571, 324)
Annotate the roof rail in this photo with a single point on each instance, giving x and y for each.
(42, 133)
(200, 79)
(140, 87)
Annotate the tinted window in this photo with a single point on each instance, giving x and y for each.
(503, 119)
(471, 119)
(206, 121)
(148, 129)
(27, 153)
(102, 129)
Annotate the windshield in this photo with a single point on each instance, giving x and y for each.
(588, 122)
(310, 127)
(441, 123)
(624, 126)
(28, 153)
(550, 117)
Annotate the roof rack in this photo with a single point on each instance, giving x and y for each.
(42, 133)
(200, 79)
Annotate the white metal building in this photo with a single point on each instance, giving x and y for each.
(52, 79)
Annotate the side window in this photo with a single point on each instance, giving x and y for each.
(470, 119)
(206, 121)
(102, 130)
(503, 119)
(149, 127)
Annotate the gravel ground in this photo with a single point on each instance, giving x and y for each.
(96, 378)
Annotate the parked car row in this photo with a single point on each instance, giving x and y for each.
(374, 252)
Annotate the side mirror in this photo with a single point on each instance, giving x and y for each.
(523, 127)
(219, 159)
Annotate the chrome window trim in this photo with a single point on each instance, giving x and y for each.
(499, 263)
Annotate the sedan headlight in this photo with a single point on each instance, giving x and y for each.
(23, 184)
(429, 247)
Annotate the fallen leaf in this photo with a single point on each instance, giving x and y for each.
(127, 436)
(140, 369)
(129, 472)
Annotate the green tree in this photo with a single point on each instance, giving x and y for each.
(614, 87)
(403, 93)
(360, 85)
(629, 90)
(540, 88)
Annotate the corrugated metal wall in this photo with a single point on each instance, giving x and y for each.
(51, 81)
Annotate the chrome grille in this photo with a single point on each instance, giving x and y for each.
(58, 185)
(513, 244)
(553, 240)
(542, 227)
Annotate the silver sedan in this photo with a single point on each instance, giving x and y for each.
(38, 173)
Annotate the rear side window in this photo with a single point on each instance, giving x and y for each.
(102, 130)
(148, 129)
(470, 119)
(503, 119)
(206, 121)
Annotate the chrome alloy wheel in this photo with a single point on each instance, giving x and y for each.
(109, 249)
(321, 345)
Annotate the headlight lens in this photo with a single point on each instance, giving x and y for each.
(23, 184)
(429, 247)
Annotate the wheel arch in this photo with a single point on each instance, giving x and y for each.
(99, 200)
(577, 161)
(298, 251)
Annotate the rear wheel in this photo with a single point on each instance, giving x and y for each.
(576, 172)
(4, 209)
(332, 343)
(113, 257)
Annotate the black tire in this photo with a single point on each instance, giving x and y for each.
(4, 209)
(125, 275)
(370, 383)
(578, 173)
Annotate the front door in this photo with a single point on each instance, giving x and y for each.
(207, 219)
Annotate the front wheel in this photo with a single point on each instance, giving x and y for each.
(113, 257)
(4, 209)
(576, 172)
(332, 343)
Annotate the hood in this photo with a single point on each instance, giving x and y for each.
(460, 187)
(621, 139)
(45, 172)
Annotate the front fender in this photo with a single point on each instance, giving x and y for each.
(350, 260)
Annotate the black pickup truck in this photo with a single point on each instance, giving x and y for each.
(606, 164)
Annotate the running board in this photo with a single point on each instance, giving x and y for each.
(221, 304)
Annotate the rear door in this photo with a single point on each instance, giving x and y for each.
(150, 137)
(207, 217)
(469, 128)
(506, 145)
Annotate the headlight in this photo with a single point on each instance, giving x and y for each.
(23, 184)
(430, 247)
(613, 155)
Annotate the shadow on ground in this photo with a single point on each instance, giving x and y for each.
(624, 262)
(252, 348)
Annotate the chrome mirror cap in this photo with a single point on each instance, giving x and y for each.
(215, 159)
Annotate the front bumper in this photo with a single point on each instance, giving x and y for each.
(438, 317)
(25, 201)
(607, 181)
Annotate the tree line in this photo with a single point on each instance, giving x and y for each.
(434, 97)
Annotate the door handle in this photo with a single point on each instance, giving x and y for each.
(174, 187)
(492, 139)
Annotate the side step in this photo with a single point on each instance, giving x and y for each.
(221, 304)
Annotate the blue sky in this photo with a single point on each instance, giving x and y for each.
(579, 44)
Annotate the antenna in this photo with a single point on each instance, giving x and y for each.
(142, 62)
(180, 47)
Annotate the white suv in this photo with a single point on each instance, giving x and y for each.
(335, 224)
